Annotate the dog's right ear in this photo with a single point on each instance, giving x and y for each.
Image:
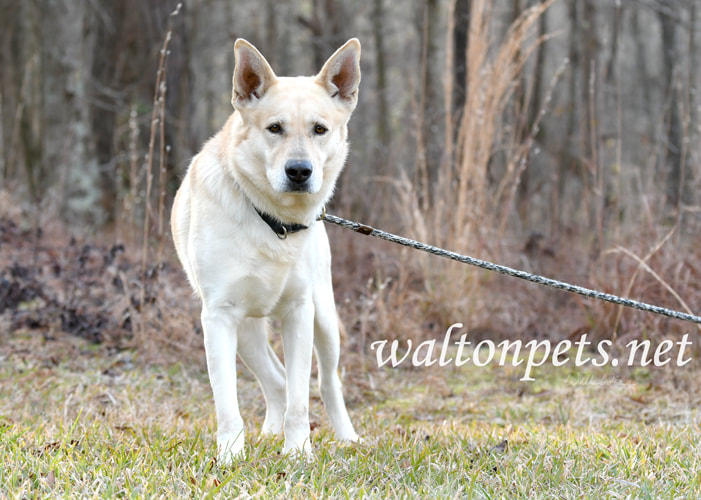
(253, 76)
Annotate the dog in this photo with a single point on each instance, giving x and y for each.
(245, 228)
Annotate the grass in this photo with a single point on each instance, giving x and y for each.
(76, 421)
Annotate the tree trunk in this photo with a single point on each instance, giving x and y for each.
(383, 123)
(615, 36)
(69, 36)
(430, 140)
(462, 28)
(329, 24)
(672, 161)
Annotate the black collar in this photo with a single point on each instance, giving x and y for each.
(281, 229)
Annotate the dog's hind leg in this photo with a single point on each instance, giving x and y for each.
(327, 347)
(257, 354)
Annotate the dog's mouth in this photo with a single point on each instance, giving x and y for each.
(300, 188)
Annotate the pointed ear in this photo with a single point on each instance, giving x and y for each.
(340, 75)
(253, 76)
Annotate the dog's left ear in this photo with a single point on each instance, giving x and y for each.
(340, 75)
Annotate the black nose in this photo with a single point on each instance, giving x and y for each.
(298, 171)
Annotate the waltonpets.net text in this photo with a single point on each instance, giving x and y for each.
(534, 353)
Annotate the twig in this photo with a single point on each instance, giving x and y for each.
(165, 149)
(647, 257)
(130, 201)
(158, 103)
(644, 265)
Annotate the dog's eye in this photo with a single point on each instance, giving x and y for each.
(275, 128)
(320, 129)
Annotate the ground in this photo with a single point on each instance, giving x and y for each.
(79, 418)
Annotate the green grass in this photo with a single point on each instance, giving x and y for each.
(76, 422)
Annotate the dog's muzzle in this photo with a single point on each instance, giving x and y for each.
(298, 173)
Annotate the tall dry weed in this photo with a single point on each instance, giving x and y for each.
(460, 209)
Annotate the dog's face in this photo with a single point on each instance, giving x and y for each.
(294, 136)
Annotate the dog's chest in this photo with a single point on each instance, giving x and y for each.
(264, 278)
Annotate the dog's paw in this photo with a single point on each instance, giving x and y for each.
(272, 426)
(348, 435)
(230, 449)
(350, 438)
(302, 450)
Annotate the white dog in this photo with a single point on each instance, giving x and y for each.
(245, 227)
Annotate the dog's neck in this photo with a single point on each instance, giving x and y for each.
(278, 227)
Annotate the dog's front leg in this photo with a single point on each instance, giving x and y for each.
(220, 325)
(297, 339)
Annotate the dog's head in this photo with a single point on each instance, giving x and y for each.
(293, 136)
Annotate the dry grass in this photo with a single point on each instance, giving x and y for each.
(54, 283)
(459, 211)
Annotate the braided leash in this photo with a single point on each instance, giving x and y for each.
(534, 278)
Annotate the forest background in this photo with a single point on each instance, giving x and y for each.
(560, 138)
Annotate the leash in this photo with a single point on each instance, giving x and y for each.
(534, 278)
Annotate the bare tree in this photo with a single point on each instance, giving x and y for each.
(671, 162)
(383, 123)
(461, 15)
(430, 139)
(329, 25)
(77, 83)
